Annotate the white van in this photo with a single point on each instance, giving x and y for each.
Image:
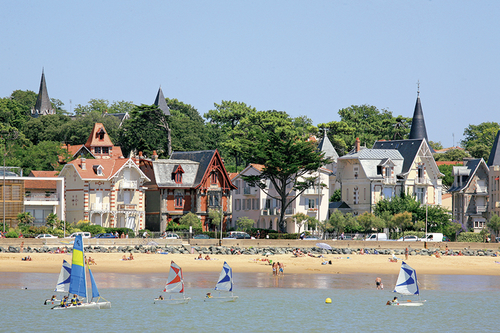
(377, 237)
(433, 237)
(84, 234)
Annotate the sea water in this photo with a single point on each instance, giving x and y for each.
(294, 303)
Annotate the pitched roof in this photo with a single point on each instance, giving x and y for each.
(326, 147)
(418, 130)
(98, 132)
(407, 148)
(35, 173)
(161, 103)
(438, 163)
(110, 167)
(42, 105)
(494, 158)
(40, 184)
(202, 157)
(468, 171)
(163, 170)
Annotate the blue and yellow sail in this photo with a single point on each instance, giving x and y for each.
(78, 283)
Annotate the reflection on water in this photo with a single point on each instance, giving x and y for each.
(203, 280)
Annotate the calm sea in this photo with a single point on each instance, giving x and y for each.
(294, 303)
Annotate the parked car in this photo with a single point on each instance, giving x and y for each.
(310, 237)
(84, 234)
(238, 235)
(377, 237)
(105, 235)
(201, 236)
(434, 237)
(45, 236)
(409, 238)
(171, 236)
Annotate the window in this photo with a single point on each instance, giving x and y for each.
(237, 184)
(420, 194)
(178, 177)
(310, 203)
(213, 177)
(100, 134)
(356, 196)
(97, 150)
(213, 200)
(379, 170)
(243, 201)
(179, 200)
(255, 204)
(249, 204)
(105, 150)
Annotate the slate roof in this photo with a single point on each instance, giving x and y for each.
(42, 105)
(338, 205)
(163, 170)
(407, 148)
(203, 157)
(326, 146)
(161, 103)
(494, 158)
(470, 168)
(418, 130)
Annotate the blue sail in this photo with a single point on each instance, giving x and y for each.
(225, 282)
(77, 284)
(95, 292)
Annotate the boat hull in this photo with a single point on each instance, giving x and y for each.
(104, 305)
(172, 301)
(84, 306)
(50, 302)
(221, 299)
(409, 303)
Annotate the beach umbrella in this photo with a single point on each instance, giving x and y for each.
(323, 246)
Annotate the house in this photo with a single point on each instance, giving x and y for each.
(494, 178)
(193, 181)
(106, 192)
(98, 146)
(44, 195)
(264, 208)
(470, 193)
(391, 167)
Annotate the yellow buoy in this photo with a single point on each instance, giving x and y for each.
(328, 300)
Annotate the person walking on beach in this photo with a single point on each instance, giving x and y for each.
(281, 269)
(406, 254)
(378, 283)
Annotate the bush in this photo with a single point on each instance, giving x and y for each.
(470, 237)
(12, 234)
(93, 229)
(280, 235)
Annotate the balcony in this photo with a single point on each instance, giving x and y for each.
(421, 180)
(389, 180)
(312, 210)
(126, 207)
(481, 209)
(313, 191)
(128, 184)
(41, 197)
(268, 212)
(100, 206)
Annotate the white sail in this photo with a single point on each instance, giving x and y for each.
(225, 282)
(64, 278)
(175, 282)
(407, 281)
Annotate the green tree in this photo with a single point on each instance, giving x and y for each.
(77, 132)
(26, 98)
(452, 155)
(25, 219)
(269, 138)
(448, 178)
(494, 224)
(215, 217)
(46, 128)
(478, 139)
(222, 122)
(13, 113)
(337, 221)
(436, 145)
(300, 220)
(190, 219)
(403, 221)
(43, 156)
(244, 223)
(52, 220)
(336, 196)
(147, 130)
(369, 221)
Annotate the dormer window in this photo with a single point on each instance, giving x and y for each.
(99, 170)
(213, 177)
(177, 174)
(100, 134)
(97, 150)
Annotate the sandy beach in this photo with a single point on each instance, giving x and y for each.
(157, 263)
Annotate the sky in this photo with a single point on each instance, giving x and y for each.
(308, 58)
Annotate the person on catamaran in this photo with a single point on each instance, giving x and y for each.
(64, 302)
(53, 298)
(160, 298)
(395, 300)
(75, 301)
(209, 295)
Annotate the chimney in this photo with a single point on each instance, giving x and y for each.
(84, 164)
(357, 146)
(155, 156)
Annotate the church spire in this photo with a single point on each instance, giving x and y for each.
(418, 130)
(161, 103)
(325, 146)
(42, 105)
(494, 158)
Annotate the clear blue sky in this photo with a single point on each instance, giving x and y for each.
(304, 57)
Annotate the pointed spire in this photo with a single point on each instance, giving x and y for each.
(42, 105)
(494, 158)
(418, 130)
(325, 146)
(161, 103)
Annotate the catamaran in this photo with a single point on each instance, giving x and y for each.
(78, 282)
(175, 284)
(62, 285)
(225, 283)
(407, 285)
